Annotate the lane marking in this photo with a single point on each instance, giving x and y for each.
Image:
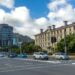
(73, 63)
(29, 67)
(41, 61)
(23, 66)
(24, 69)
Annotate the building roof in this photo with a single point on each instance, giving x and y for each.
(59, 28)
(5, 25)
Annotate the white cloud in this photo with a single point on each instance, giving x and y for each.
(2, 14)
(7, 3)
(60, 10)
(53, 6)
(23, 23)
(21, 13)
(42, 22)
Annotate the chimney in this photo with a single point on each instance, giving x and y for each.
(41, 30)
(49, 27)
(65, 22)
(53, 26)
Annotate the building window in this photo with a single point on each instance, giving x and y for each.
(60, 31)
(61, 36)
(57, 32)
(74, 27)
(70, 29)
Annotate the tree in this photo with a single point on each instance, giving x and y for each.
(30, 47)
(15, 49)
(70, 42)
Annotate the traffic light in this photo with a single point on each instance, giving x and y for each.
(53, 39)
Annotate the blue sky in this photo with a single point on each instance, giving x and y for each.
(28, 16)
(38, 8)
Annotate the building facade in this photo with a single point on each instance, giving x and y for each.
(48, 39)
(6, 35)
(18, 38)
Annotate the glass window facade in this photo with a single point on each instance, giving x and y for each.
(6, 35)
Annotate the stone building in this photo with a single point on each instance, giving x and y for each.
(49, 38)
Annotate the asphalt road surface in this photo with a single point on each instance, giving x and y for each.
(29, 67)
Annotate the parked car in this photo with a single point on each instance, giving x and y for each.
(12, 55)
(22, 55)
(1, 55)
(40, 55)
(60, 56)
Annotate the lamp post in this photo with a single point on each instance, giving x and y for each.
(9, 46)
(49, 38)
(53, 38)
(65, 22)
(20, 47)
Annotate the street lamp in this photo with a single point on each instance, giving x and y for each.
(53, 38)
(9, 46)
(20, 43)
(65, 22)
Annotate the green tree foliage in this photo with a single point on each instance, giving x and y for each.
(70, 43)
(15, 49)
(30, 47)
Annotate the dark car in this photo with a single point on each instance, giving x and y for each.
(22, 55)
(12, 55)
(1, 55)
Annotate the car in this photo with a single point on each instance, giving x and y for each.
(40, 55)
(60, 55)
(12, 55)
(1, 55)
(22, 55)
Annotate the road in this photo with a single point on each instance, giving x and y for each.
(10, 66)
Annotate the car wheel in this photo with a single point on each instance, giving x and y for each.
(34, 57)
(61, 58)
(47, 58)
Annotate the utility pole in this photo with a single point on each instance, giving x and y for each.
(65, 22)
(53, 37)
(20, 43)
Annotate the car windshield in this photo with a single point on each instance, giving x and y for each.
(39, 53)
(42, 53)
(59, 53)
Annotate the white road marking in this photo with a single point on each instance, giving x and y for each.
(30, 68)
(73, 63)
(22, 66)
(46, 61)
(12, 70)
(8, 64)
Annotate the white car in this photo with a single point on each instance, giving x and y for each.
(60, 56)
(40, 55)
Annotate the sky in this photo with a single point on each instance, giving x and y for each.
(27, 17)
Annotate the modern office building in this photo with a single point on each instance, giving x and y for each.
(18, 38)
(52, 35)
(6, 35)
